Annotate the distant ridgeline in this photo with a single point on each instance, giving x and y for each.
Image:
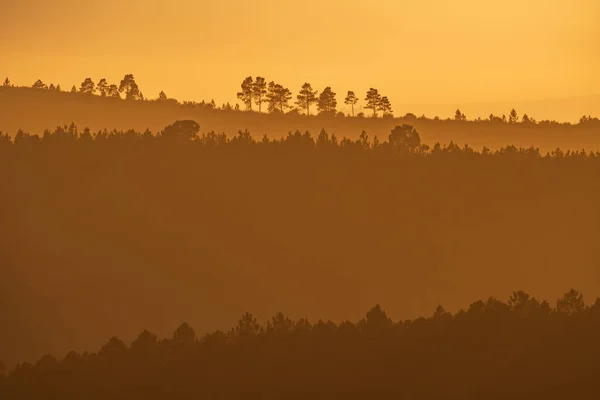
(266, 110)
(523, 349)
(403, 140)
(274, 99)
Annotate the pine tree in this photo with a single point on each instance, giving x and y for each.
(39, 85)
(459, 116)
(259, 91)
(278, 97)
(385, 106)
(113, 91)
(88, 86)
(351, 100)
(373, 100)
(130, 87)
(246, 94)
(306, 97)
(327, 102)
(102, 87)
(162, 96)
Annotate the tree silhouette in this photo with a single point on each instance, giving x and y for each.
(327, 102)
(88, 86)
(527, 119)
(259, 90)
(351, 100)
(144, 342)
(306, 97)
(247, 327)
(404, 137)
(182, 129)
(279, 323)
(6, 82)
(363, 140)
(73, 89)
(102, 87)
(373, 100)
(39, 85)
(278, 97)
(113, 91)
(130, 87)
(571, 303)
(51, 87)
(58, 88)
(162, 96)
(385, 106)
(513, 117)
(247, 92)
(376, 319)
(185, 335)
(459, 116)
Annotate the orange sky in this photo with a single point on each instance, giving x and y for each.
(415, 52)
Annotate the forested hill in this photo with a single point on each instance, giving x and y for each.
(34, 110)
(523, 349)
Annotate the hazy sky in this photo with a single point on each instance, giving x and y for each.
(418, 51)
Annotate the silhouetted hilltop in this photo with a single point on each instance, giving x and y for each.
(34, 110)
(520, 349)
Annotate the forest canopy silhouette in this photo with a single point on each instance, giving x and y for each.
(518, 349)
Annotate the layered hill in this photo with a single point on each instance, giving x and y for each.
(36, 110)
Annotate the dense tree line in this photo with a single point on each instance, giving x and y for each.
(277, 99)
(402, 140)
(520, 349)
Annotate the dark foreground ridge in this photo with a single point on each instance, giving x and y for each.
(520, 349)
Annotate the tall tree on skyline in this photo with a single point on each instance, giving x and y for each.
(385, 106)
(278, 97)
(39, 85)
(513, 117)
(162, 96)
(102, 87)
(113, 91)
(130, 87)
(246, 94)
(88, 86)
(459, 116)
(306, 97)
(351, 100)
(259, 91)
(373, 100)
(327, 102)
(7, 82)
